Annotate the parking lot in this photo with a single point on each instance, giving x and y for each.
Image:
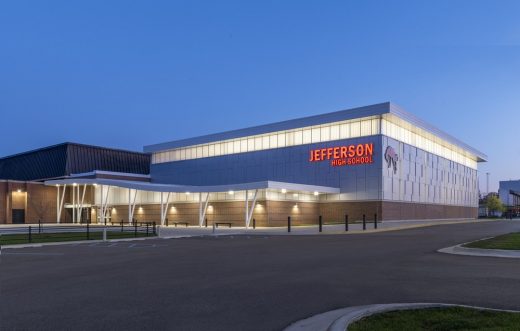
(246, 282)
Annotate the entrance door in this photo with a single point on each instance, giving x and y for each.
(18, 216)
(85, 215)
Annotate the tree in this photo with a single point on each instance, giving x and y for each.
(40, 208)
(493, 203)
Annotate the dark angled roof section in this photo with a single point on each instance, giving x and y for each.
(47, 162)
(69, 158)
(84, 158)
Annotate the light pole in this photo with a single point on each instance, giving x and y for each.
(487, 183)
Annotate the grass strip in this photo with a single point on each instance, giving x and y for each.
(439, 319)
(23, 238)
(509, 241)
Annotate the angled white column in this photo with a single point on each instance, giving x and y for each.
(105, 206)
(80, 211)
(162, 211)
(247, 209)
(73, 203)
(203, 207)
(78, 204)
(131, 206)
(164, 207)
(250, 210)
(59, 203)
(101, 199)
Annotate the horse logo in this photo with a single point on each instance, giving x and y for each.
(391, 158)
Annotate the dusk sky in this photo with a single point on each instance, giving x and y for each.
(131, 73)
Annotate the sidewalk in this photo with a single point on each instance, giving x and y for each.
(178, 232)
(72, 242)
(340, 319)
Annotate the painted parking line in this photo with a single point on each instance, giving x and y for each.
(42, 254)
(146, 246)
(122, 245)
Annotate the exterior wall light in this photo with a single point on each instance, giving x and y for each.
(284, 191)
(316, 193)
(187, 193)
(231, 192)
(19, 190)
(74, 184)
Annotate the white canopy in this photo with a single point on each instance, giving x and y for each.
(155, 187)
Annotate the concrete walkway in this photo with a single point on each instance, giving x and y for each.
(72, 242)
(461, 250)
(192, 231)
(340, 319)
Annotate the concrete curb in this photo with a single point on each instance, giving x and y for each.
(460, 250)
(60, 243)
(340, 319)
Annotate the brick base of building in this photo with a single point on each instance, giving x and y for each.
(275, 213)
(39, 203)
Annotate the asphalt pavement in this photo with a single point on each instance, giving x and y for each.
(246, 282)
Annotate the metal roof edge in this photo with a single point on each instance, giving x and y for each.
(413, 119)
(112, 173)
(346, 114)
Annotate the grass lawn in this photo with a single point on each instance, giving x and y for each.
(11, 239)
(439, 319)
(506, 241)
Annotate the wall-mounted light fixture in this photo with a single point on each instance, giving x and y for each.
(284, 191)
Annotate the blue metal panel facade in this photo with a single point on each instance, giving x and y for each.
(424, 177)
(288, 164)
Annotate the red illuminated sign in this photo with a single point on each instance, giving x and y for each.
(344, 155)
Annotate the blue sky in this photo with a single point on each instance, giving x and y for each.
(131, 73)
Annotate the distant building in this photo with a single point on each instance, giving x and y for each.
(509, 192)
